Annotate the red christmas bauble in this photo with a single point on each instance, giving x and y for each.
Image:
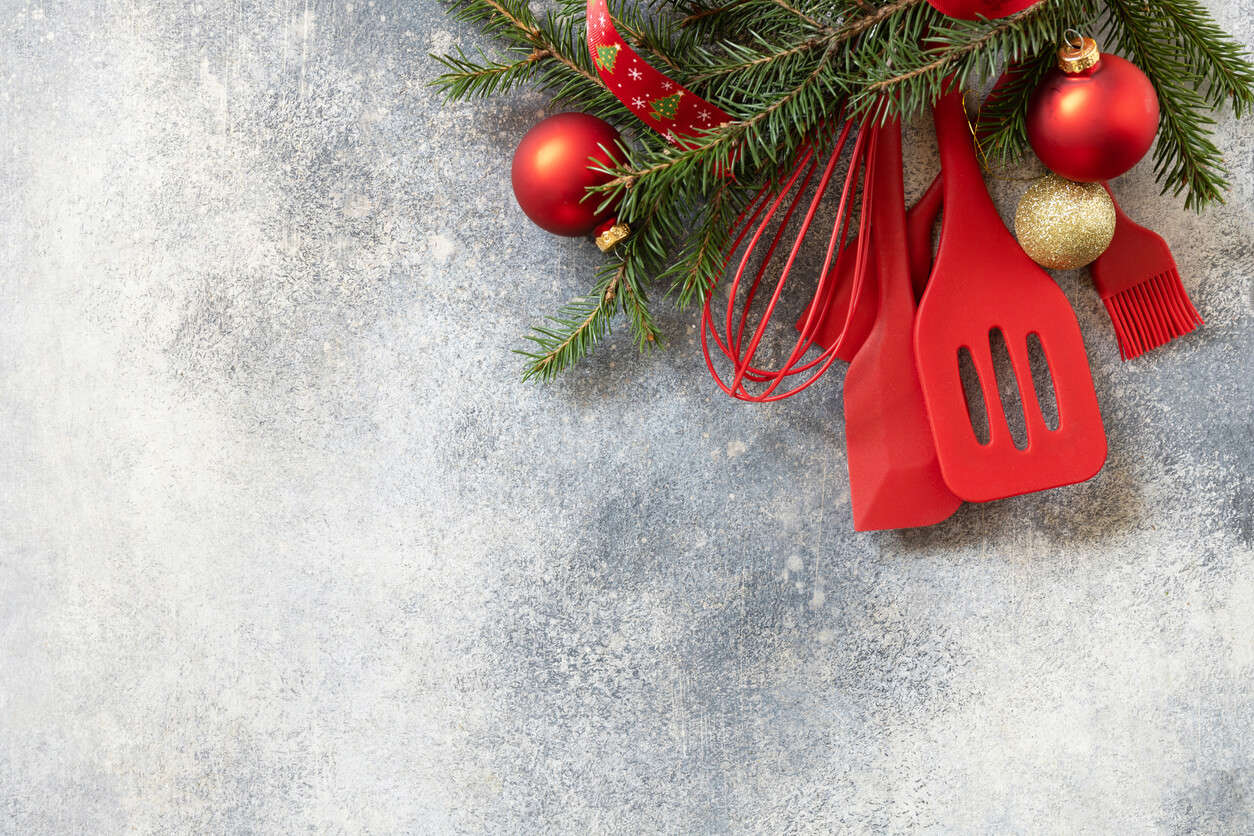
(551, 172)
(1092, 121)
(973, 9)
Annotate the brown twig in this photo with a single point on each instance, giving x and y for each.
(953, 53)
(704, 13)
(642, 38)
(802, 15)
(606, 298)
(833, 38)
(538, 40)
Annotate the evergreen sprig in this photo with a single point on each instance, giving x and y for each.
(1222, 62)
(467, 79)
(574, 331)
(1189, 79)
(790, 72)
(1002, 119)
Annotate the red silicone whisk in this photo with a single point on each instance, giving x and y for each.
(733, 342)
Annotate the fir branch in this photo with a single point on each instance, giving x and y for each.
(551, 42)
(1185, 158)
(657, 36)
(801, 15)
(650, 43)
(910, 77)
(863, 24)
(1001, 123)
(746, 59)
(635, 303)
(574, 332)
(769, 135)
(698, 14)
(517, 14)
(467, 79)
(1212, 52)
(785, 21)
(704, 258)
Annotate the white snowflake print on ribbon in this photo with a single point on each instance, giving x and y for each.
(657, 100)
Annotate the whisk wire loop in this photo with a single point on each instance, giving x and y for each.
(762, 211)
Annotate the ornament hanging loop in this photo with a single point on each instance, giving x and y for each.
(1079, 54)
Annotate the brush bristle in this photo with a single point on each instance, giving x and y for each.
(1151, 314)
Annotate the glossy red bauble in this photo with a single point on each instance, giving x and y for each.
(1094, 124)
(551, 173)
(972, 9)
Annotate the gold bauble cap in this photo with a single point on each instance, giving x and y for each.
(1078, 54)
(607, 239)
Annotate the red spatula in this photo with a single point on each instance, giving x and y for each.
(835, 301)
(981, 283)
(834, 307)
(894, 477)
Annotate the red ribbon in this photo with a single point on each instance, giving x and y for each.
(668, 108)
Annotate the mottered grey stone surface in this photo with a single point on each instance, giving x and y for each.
(286, 546)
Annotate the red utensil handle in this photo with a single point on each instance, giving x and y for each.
(919, 222)
(964, 179)
(888, 220)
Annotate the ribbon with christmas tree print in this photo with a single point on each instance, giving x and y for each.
(673, 111)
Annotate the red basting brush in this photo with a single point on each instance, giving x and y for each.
(1140, 286)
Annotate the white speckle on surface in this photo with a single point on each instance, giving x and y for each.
(736, 448)
(442, 247)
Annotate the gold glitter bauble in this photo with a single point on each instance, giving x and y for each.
(1064, 225)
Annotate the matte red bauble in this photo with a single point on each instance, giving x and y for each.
(972, 9)
(551, 173)
(1094, 117)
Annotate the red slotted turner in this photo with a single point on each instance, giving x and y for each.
(894, 477)
(983, 282)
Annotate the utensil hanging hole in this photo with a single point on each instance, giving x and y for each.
(1008, 389)
(976, 411)
(1043, 381)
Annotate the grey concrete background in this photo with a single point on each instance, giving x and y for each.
(286, 546)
